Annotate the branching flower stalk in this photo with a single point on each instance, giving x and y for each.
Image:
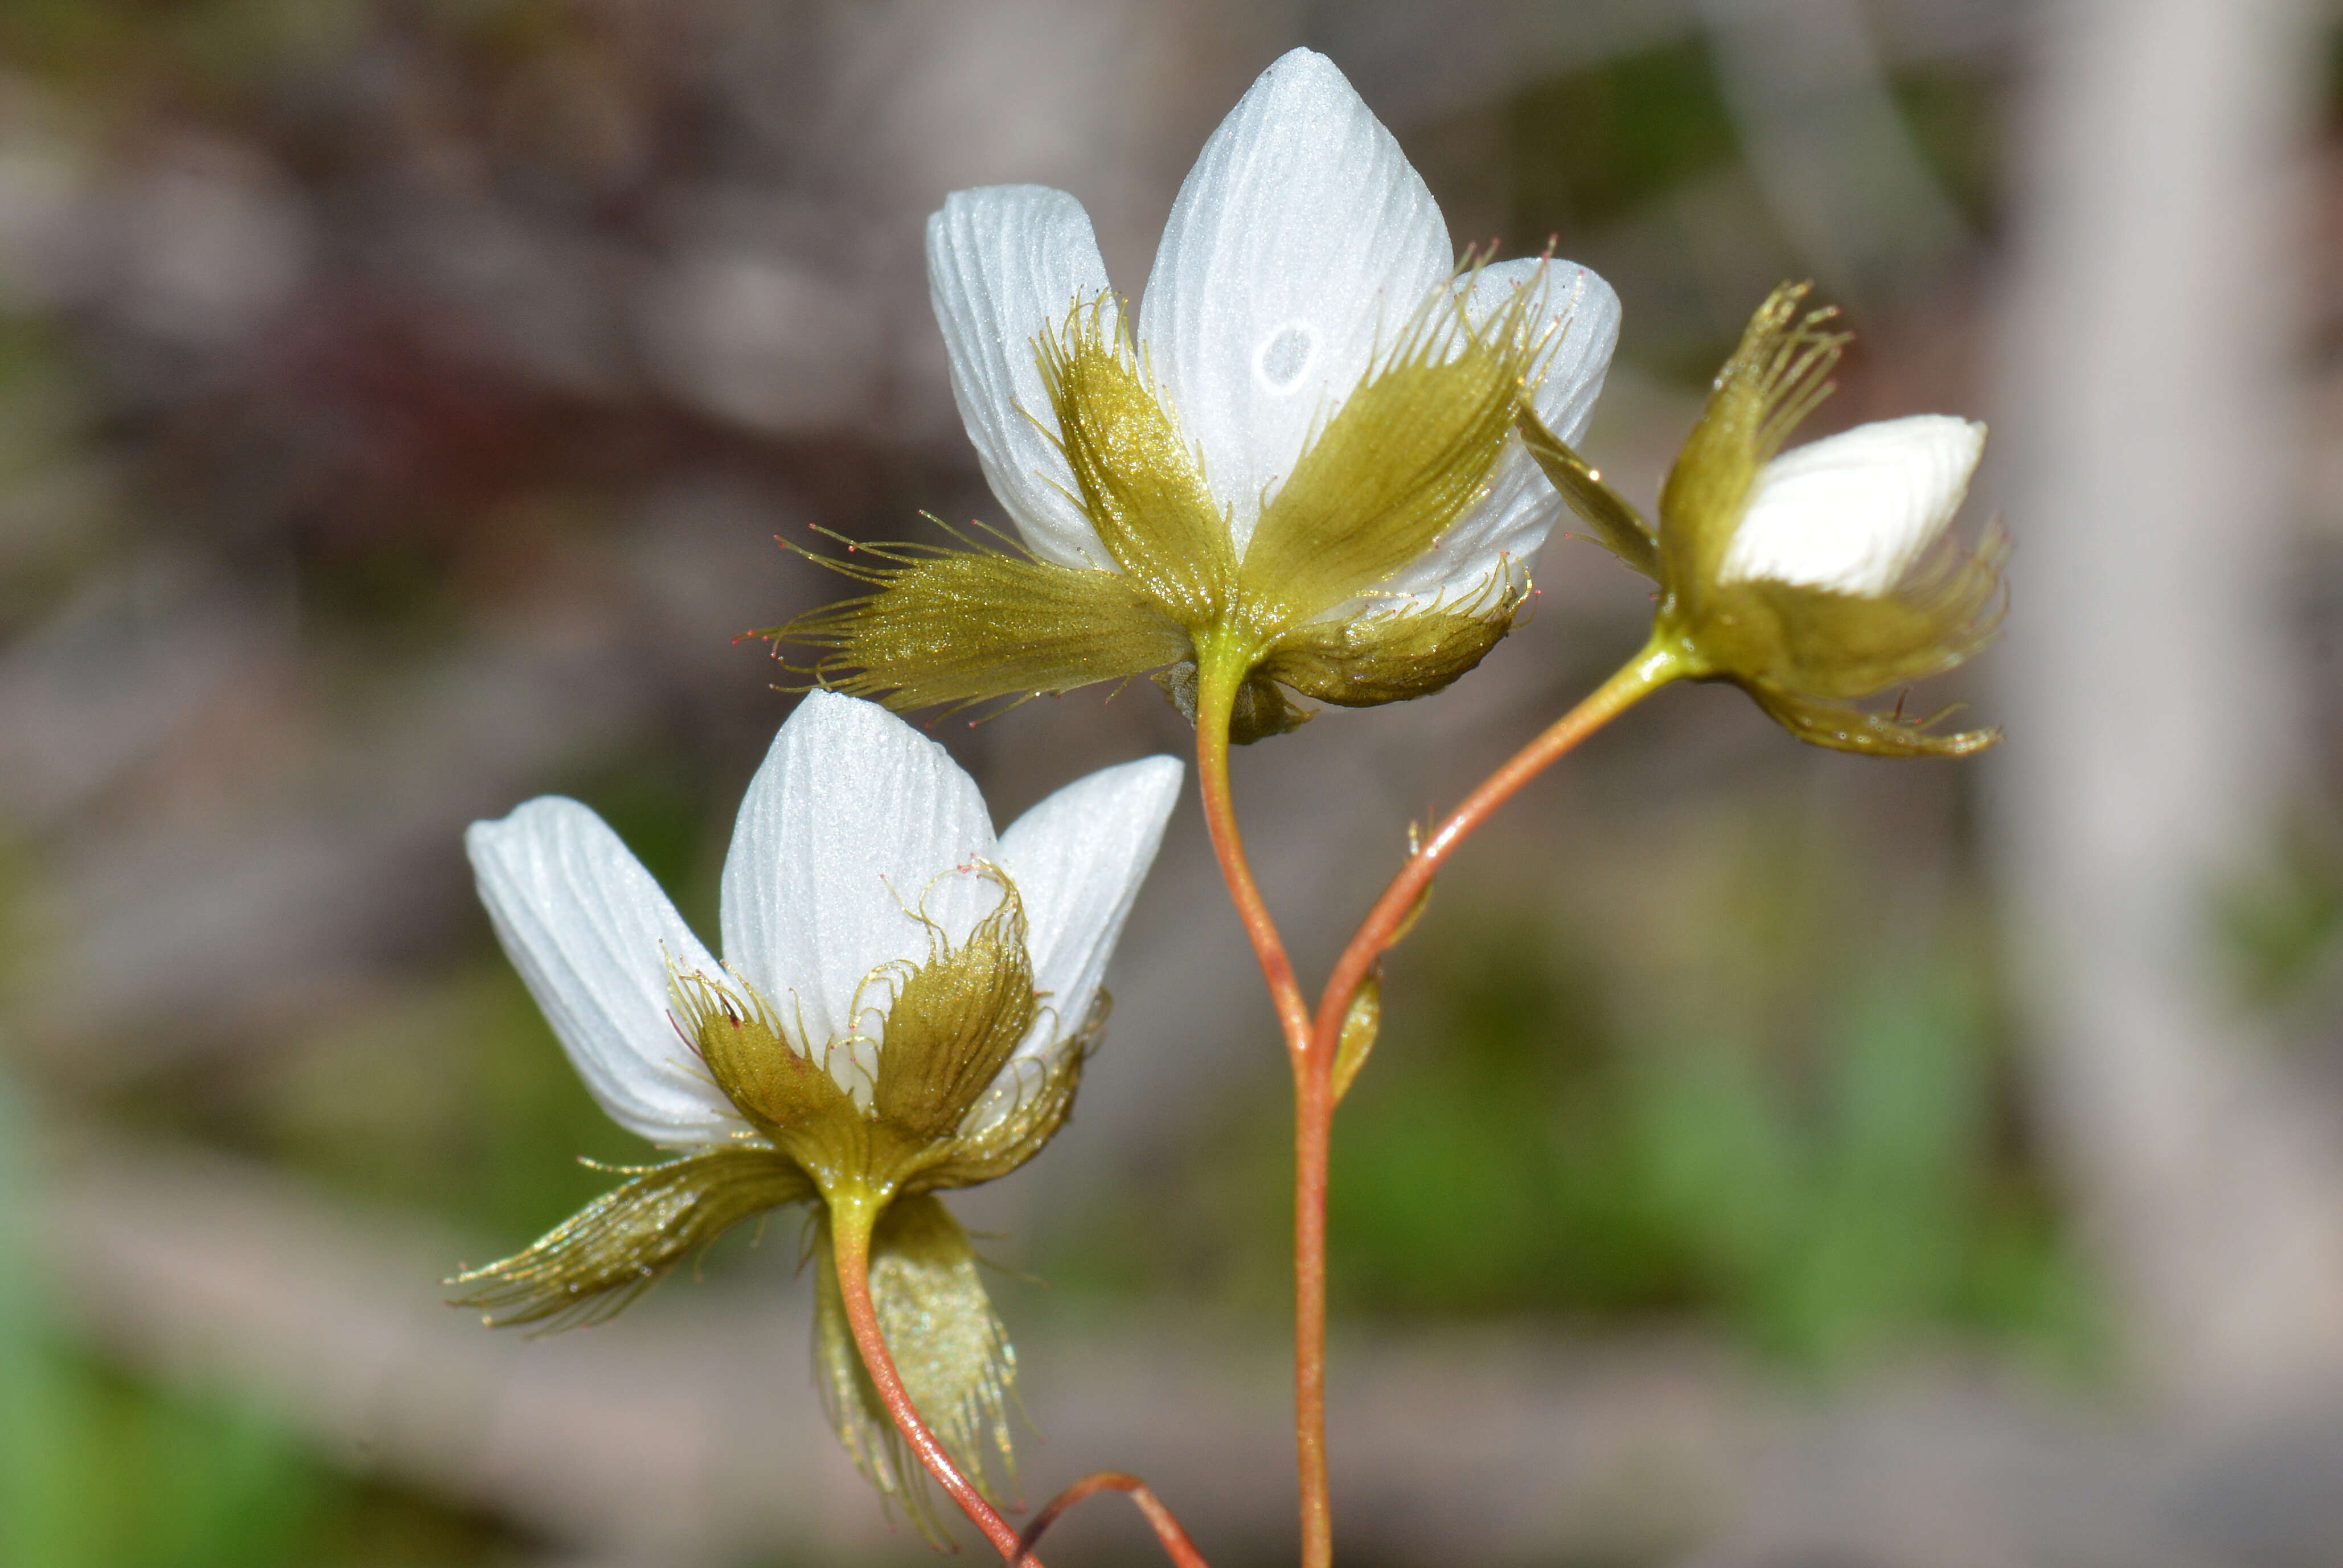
(1317, 468)
(1809, 580)
(1325, 1051)
(1177, 1545)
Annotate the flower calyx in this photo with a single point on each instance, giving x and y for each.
(1813, 578)
(1300, 442)
(945, 1099)
(853, 1051)
(1402, 458)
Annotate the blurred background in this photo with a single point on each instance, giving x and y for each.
(1774, 1159)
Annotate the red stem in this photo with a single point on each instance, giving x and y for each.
(1311, 1048)
(852, 1247)
(1215, 697)
(1216, 692)
(1176, 1544)
(1638, 679)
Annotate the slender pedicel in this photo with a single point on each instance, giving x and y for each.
(1177, 1545)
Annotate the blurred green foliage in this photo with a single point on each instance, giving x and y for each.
(1954, 111)
(1587, 147)
(1815, 1148)
(51, 525)
(1515, 1159)
(2281, 918)
(1634, 165)
(98, 1472)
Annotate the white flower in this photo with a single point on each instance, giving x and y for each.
(858, 841)
(1851, 512)
(1301, 248)
(1814, 578)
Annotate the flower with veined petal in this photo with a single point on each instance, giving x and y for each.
(904, 1007)
(1817, 576)
(1300, 472)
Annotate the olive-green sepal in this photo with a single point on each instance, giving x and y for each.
(955, 1021)
(592, 1265)
(1371, 660)
(1842, 727)
(1407, 454)
(1835, 647)
(1139, 483)
(957, 626)
(1618, 527)
(1260, 711)
(1021, 1112)
(950, 1349)
(1779, 373)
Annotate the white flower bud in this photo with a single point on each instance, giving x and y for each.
(1852, 512)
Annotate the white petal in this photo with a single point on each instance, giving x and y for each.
(1583, 313)
(1076, 859)
(854, 820)
(1007, 264)
(1853, 511)
(591, 933)
(1580, 315)
(1301, 241)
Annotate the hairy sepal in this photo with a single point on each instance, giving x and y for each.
(1778, 373)
(1835, 647)
(1408, 451)
(594, 1264)
(955, 1021)
(948, 1345)
(1368, 660)
(1019, 1112)
(1842, 727)
(951, 1103)
(1138, 479)
(963, 626)
(780, 1089)
(1618, 527)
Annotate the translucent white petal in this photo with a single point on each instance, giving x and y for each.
(1578, 314)
(591, 933)
(1853, 511)
(1006, 265)
(1076, 859)
(854, 820)
(1583, 313)
(1301, 241)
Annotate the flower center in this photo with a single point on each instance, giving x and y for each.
(1284, 356)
